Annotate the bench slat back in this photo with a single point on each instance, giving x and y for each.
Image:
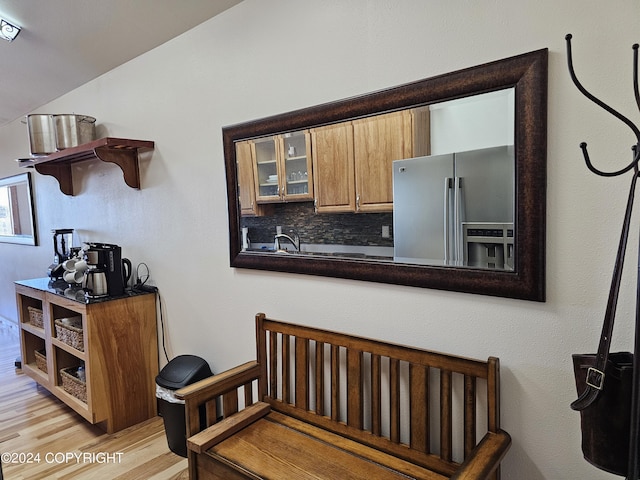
(417, 404)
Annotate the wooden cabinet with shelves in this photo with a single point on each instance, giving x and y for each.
(118, 352)
(353, 160)
(282, 168)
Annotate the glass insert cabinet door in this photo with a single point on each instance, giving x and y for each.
(282, 167)
(264, 153)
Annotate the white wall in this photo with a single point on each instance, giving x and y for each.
(471, 123)
(265, 57)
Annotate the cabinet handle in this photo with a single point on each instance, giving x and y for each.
(358, 203)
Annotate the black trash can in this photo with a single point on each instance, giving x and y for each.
(179, 372)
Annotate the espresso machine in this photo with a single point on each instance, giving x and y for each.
(62, 251)
(105, 262)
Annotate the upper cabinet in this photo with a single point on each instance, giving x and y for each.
(377, 142)
(353, 160)
(333, 168)
(297, 164)
(343, 167)
(246, 184)
(282, 168)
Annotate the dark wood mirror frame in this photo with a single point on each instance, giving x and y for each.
(528, 74)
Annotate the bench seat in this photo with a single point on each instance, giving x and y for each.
(322, 405)
(289, 448)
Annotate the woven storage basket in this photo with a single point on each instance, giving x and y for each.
(70, 334)
(72, 384)
(35, 317)
(41, 360)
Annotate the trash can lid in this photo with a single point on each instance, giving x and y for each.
(182, 371)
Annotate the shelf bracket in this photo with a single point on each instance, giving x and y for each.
(61, 172)
(126, 159)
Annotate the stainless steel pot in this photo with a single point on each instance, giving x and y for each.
(42, 134)
(73, 130)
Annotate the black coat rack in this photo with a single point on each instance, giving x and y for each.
(633, 463)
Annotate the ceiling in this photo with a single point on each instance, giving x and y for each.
(66, 43)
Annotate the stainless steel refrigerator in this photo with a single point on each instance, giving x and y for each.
(455, 209)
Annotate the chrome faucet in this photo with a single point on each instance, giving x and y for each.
(295, 241)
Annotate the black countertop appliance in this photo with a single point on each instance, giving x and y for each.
(108, 258)
(62, 241)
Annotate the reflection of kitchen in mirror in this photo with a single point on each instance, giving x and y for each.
(456, 206)
(16, 210)
(336, 190)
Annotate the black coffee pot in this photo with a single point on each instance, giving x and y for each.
(108, 258)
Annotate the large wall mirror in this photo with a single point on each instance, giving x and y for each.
(440, 183)
(16, 210)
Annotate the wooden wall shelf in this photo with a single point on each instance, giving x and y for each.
(122, 152)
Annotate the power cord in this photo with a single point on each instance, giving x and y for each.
(141, 286)
(141, 280)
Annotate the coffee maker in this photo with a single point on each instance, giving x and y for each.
(62, 241)
(107, 258)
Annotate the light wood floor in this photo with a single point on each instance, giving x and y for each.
(33, 422)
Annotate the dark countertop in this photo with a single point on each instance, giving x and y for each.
(71, 292)
(304, 253)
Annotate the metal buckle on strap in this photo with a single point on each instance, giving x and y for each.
(595, 378)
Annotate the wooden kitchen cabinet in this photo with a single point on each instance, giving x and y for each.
(377, 142)
(119, 352)
(246, 183)
(333, 168)
(282, 168)
(353, 160)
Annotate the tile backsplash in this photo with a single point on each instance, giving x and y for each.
(331, 229)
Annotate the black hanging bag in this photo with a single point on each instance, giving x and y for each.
(604, 382)
(606, 422)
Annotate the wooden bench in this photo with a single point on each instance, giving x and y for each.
(323, 405)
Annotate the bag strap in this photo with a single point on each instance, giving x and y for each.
(595, 374)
